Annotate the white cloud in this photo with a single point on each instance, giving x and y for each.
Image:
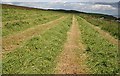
(60, 0)
(80, 6)
(102, 7)
(9, 3)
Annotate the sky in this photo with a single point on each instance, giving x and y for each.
(109, 7)
(60, 0)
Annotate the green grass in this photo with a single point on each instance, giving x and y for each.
(109, 25)
(38, 55)
(25, 19)
(11, 13)
(102, 54)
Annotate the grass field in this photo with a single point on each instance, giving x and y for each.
(38, 54)
(39, 41)
(23, 19)
(108, 24)
(103, 55)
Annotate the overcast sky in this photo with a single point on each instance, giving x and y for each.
(109, 7)
(60, 0)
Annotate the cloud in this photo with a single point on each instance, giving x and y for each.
(60, 0)
(80, 6)
(102, 7)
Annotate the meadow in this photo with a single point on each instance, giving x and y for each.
(35, 39)
(15, 20)
(109, 24)
(103, 56)
(38, 54)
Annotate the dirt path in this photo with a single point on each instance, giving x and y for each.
(12, 42)
(68, 61)
(105, 34)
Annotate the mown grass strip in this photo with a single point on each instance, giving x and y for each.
(11, 13)
(102, 54)
(16, 27)
(24, 18)
(14, 41)
(39, 53)
(109, 25)
(104, 34)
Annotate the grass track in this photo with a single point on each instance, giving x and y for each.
(71, 60)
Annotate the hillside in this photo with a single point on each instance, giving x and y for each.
(63, 10)
(38, 41)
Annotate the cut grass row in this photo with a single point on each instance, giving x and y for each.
(11, 13)
(14, 41)
(39, 53)
(13, 28)
(102, 54)
(13, 18)
(108, 25)
(13, 23)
